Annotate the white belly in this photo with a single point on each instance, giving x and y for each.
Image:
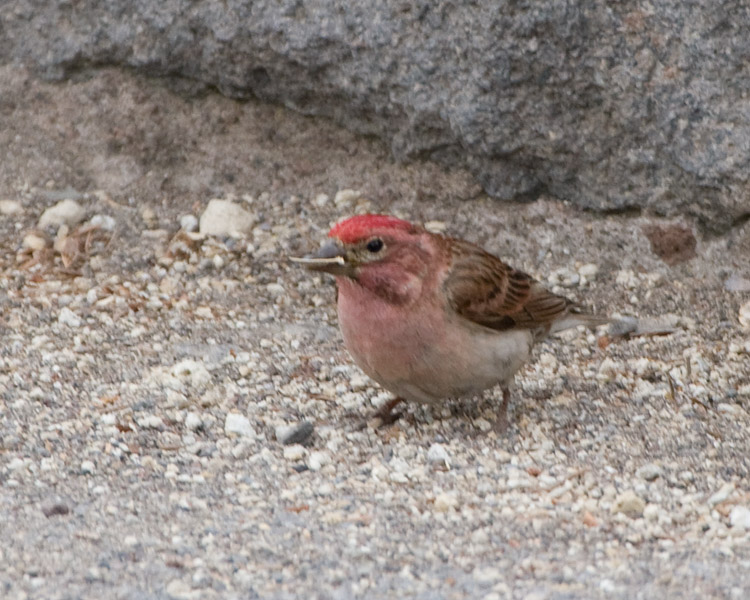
(425, 360)
(467, 369)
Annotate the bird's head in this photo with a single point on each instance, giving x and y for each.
(382, 253)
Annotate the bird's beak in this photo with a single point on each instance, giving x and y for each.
(331, 258)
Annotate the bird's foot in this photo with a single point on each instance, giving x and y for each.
(501, 424)
(384, 416)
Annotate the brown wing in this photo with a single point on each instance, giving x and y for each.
(483, 289)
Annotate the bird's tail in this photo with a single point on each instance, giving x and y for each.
(577, 315)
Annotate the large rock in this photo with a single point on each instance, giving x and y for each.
(611, 105)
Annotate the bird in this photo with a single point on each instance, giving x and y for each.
(431, 317)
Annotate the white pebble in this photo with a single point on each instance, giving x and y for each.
(238, 424)
(651, 512)
(445, 502)
(629, 503)
(547, 359)
(181, 590)
(564, 277)
(649, 471)
(346, 197)
(734, 283)
(318, 460)
(321, 200)
(294, 452)
(284, 431)
(68, 317)
(104, 222)
(109, 418)
(437, 455)
(188, 222)
(150, 422)
(721, 495)
(686, 476)
(223, 217)
(482, 424)
(589, 270)
(193, 372)
(10, 207)
(204, 312)
(193, 421)
(740, 517)
(607, 370)
(744, 316)
(627, 278)
(87, 467)
(65, 212)
(435, 226)
(358, 381)
(33, 242)
(17, 464)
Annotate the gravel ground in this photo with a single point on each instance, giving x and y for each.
(179, 419)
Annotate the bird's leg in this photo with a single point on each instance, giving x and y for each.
(384, 415)
(501, 423)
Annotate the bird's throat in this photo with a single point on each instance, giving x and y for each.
(386, 282)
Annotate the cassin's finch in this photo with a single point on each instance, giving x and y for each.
(431, 317)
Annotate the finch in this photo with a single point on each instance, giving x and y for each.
(431, 317)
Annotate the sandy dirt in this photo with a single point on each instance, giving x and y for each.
(147, 377)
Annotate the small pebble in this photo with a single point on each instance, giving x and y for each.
(149, 217)
(181, 590)
(343, 197)
(32, 241)
(686, 476)
(193, 421)
(435, 226)
(744, 316)
(649, 471)
(237, 424)
(359, 381)
(193, 372)
(150, 422)
(65, 212)
(295, 434)
(651, 512)
(438, 456)
(295, 452)
(189, 222)
(68, 317)
(445, 502)
(629, 503)
(321, 200)
(318, 459)
(224, 218)
(87, 467)
(564, 277)
(10, 207)
(607, 370)
(740, 517)
(735, 283)
(104, 222)
(589, 270)
(56, 508)
(722, 494)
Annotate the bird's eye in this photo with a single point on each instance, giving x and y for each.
(375, 245)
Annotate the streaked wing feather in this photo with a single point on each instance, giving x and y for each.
(485, 290)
